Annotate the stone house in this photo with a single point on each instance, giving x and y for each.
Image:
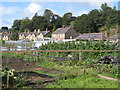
(5, 36)
(94, 36)
(33, 35)
(29, 35)
(64, 33)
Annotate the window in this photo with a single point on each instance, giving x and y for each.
(93, 36)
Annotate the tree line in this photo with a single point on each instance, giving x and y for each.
(95, 21)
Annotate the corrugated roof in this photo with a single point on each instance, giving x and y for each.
(114, 37)
(61, 30)
(96, 36)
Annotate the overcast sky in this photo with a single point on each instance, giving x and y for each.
(10, 11)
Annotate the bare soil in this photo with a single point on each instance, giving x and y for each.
(18, 64)
(27, 69)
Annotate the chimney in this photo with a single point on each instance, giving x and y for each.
(63, 26)
(38, 30)
(46, 29)
(28, 31)
(34, 30)
(25, 31)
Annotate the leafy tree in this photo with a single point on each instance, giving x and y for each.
(96, 16)
(67, 18)
(84, 24)
(37, 22)
(4, 28)
(53, 29)
(16, 25)
(15, 29)
(109, 15)
(95, 21)
(48, 14)
(24, 24)
(14, 35)
(56, 21)
(72, 24)
(118, 17)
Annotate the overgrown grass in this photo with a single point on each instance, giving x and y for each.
(84, 81)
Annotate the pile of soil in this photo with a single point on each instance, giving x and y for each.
(109, 60)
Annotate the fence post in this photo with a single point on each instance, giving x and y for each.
(36, 56)
(8, 80)
(52, 55)
(80, 56)
(8, 48)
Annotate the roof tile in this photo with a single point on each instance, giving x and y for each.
(61, 30)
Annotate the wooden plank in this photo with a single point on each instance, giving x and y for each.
(108, 78)
(59, 51)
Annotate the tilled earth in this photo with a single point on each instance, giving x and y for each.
(27, 69)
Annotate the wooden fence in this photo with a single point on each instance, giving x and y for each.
(59, 51)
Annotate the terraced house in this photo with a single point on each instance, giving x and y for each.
(33, 35)
(29, 35)
(5, 36)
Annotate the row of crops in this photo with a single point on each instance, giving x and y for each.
(80, 45)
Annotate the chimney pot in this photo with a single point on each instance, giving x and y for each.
(35, 30)
(63, 26)
(38, 30)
